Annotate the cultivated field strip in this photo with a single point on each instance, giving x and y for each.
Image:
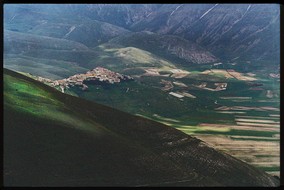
(236, 98)
(231, 112)
(257, 124)
(246, 127)
(274, 115)
(263, 108)
(253, 136)
(257, 121)
(273, 173)
(271, 116)
(263, 154)
(239, 126)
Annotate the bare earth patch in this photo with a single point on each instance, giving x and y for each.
(179, 73)
(167, 85)
(259, 125)
(236, 98)
(230, 73)
(152, 72)
(239, 126)
(186, 94)
(258, 121)
(180, 84)
(266, 108)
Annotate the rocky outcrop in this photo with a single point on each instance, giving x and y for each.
(185, 50)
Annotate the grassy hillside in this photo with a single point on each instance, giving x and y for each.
(28, 52)
(18, 42)
(53, 139)
(49, 68)
(130, 60)
(170, 47)
(45, 56)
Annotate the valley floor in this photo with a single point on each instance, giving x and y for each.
(238, 119)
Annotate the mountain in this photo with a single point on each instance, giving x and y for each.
(62, 140)
(230, 32)
(168, 46)
(43, 22)
(47, 56)
(16, 42)
(89, 33)
(123, 15)
(245, 31)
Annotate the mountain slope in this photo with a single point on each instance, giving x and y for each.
(242, 32)
(227, 30)
(51, 22)
(93, 33)
(46, 56)
(119, 14)
(89, 33)
(53, 139)
(169, 46)
(121, 58)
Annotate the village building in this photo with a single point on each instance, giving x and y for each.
(100, 74)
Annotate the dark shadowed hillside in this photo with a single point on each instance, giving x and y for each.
(54, 139)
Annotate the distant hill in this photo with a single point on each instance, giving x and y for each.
(89, 33)
(121, 58)
(54, 139)
(46, 56)
(229, 32)
(168, 46)
(17, 42)
(51, 22)
(123, 15)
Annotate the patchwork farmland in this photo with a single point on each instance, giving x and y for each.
(244, 123)
(252, 135)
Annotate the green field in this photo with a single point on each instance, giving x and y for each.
(144, 97)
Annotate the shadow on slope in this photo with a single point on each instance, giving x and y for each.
(53, 139)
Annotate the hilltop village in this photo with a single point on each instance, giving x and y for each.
(99, 75)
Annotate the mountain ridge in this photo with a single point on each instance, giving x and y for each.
(166, 45)
(241, 31)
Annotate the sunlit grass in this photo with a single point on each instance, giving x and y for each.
(29, 98)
